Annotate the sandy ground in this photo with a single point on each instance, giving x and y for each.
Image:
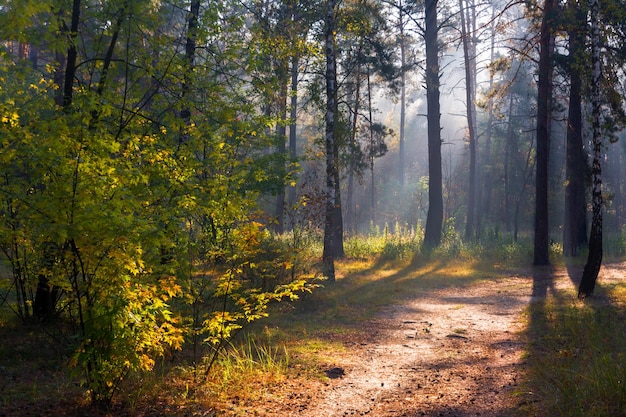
(453, 352)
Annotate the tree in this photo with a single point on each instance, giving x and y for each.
(575, 221)
(434, 220)
(594, 258)
(333, 228)
(469, 55)
(141, 177)
(544, 99)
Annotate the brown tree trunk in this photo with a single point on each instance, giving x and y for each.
(544, 99)
(44, 304)
(190, 56)
(575, 220)
(470, 71)
(332, 198)
(401, 151)
(434, 217)
(293, 144)
(281, 143)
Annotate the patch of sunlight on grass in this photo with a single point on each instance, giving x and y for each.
(247, 372)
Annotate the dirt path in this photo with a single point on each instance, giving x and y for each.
(451, 353)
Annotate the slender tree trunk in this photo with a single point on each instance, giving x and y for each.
(72, 55)
(371, 153)
(190, 56)
(544, 98)
(281, 136)
(471, 128)
(401, 151)
(293, 144)
(434, 218)
(575, 221)
(484, 189)
(594, 259)
(507, 167)
(332, 202)
(281, 143)
(351, 209)
(45, 296)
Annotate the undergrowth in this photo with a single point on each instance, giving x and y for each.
(577, 356)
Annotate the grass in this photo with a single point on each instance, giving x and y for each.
(577, 355)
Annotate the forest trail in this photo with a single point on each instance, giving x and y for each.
(452, 352)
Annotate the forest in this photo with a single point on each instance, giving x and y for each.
(211, 207)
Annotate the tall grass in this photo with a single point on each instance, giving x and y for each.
(391, 243)
(577, 359)
(248, 368)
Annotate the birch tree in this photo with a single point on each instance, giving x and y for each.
(594, 258)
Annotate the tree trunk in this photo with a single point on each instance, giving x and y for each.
(575, 221)
(507, 167)
(471, 111)
(332, 202)
(594, 259)
(434, 218)
(351, 210)
(190, 56)
(372, 154)
(45, 299)
(293, 144)
(72, 54)
(281, 145)
(544, 98)
(483, 194)
(401, 168)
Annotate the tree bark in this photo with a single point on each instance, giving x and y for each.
(434, 218)
(293, 144)
(281, 143)
(72, 54)
(372, 154)
(575, 220)
(45, 298)
(484, 190)
(401, 151)
(470, 96)
(351, 209)
(544, 99)
(594, 259)
(332, 199)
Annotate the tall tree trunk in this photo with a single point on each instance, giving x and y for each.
(434, 218)
(351, 209)
(484, 189)
(507, 167)
(575, 221)
(471, 111)
(544, 99)
(45, 296)
(293, 144)
(72, 55)
(190, 56)
(401, 168)
(281, 143)
(371, 152)
(332, 199)
(594, 259)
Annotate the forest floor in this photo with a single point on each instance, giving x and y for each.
(450, 352)
(441, 342)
